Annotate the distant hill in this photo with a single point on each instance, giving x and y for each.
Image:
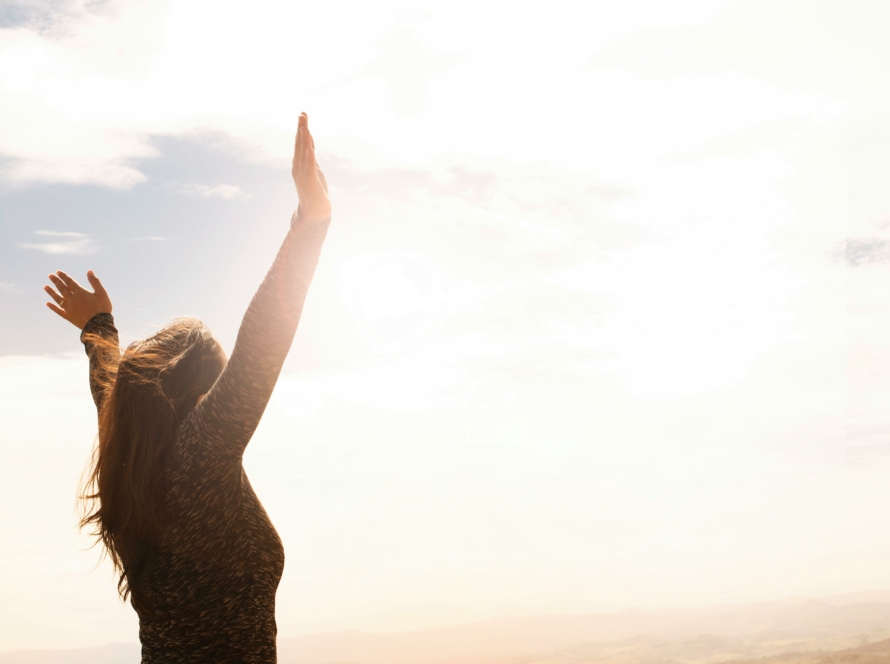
(701, 634)
(119, 653)
(791, 632)
(872, 653)
(877, 647)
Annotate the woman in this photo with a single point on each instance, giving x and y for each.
(167, 495)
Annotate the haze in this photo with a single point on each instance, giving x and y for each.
(602, 320)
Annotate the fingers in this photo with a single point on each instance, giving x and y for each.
(308, 165)
(304, 145)
(310, 154)
(53, 294)
(58, 311)
(298, 151)
(304, 142)
(314, 160)
(311, 139)
(297, 137)
(69, 281)
(60, 285)
(297, 163)
(98, 288)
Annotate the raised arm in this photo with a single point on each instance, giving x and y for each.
(89, 312)
(227, 417)
(99, 337)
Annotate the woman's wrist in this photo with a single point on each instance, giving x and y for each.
(100, 321)
(301, 219)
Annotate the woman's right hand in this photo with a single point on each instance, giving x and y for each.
(312, 188)
(73, 302)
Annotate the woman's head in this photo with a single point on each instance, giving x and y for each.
(149, 390)
(172, 368)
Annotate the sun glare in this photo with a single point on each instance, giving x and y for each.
(396, 297)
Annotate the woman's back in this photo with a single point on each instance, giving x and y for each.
(209, 593)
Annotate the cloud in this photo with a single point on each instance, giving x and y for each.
(867, 252)
(6, 286)
(83, 109)
(149, 238)
(407, 64)
(44, 15)
(394, 387)
(225, 191)
(537, 202)
(790, 42)
(76, 243)
(777, 135)
(61, 234)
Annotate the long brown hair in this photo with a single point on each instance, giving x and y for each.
(145, 395)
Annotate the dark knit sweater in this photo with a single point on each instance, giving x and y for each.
(211, 586)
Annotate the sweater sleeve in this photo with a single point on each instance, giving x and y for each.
(100, 328)
(230, 412)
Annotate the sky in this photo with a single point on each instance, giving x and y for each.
(601, 320)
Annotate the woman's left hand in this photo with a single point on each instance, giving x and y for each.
(73, 302)
(312, 188)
